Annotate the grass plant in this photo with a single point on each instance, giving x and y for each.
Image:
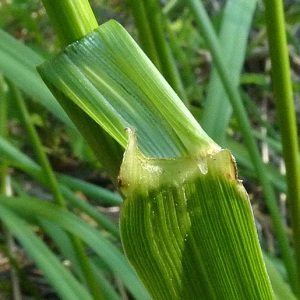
(186, 220)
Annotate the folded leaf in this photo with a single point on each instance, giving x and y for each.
(109, 77)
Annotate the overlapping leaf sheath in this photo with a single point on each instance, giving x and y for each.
(186, 222)
(188, 229)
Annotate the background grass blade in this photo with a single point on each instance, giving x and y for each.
(104, 196)
(34, 208)
(21, 161)
(16, 158)
(66, 248)
(233, 37)
(280, 288)
(18, 63)
(65, 284)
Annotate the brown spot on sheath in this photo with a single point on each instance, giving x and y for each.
(120, 182)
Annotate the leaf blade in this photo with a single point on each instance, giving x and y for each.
(66, 285)
(120, 80)
(29, 207)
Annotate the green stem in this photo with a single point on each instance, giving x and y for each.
(81, 21)
(72, 19)
(211, 38)
(38, 148)
(3, 133)
(55, 189)
(283, 93)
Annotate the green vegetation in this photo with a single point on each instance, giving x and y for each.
(186, 221)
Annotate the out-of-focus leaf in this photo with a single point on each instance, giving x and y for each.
(18, 63)
(16, 158)
(233, 37)
(280, 287)
(61, 279)
(31, 208)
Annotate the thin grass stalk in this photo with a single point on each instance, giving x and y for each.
(283, 94)
(3, 133)
(5, 189)
(54, 188)
(11, 245)
(203, 22)
(38, 147)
